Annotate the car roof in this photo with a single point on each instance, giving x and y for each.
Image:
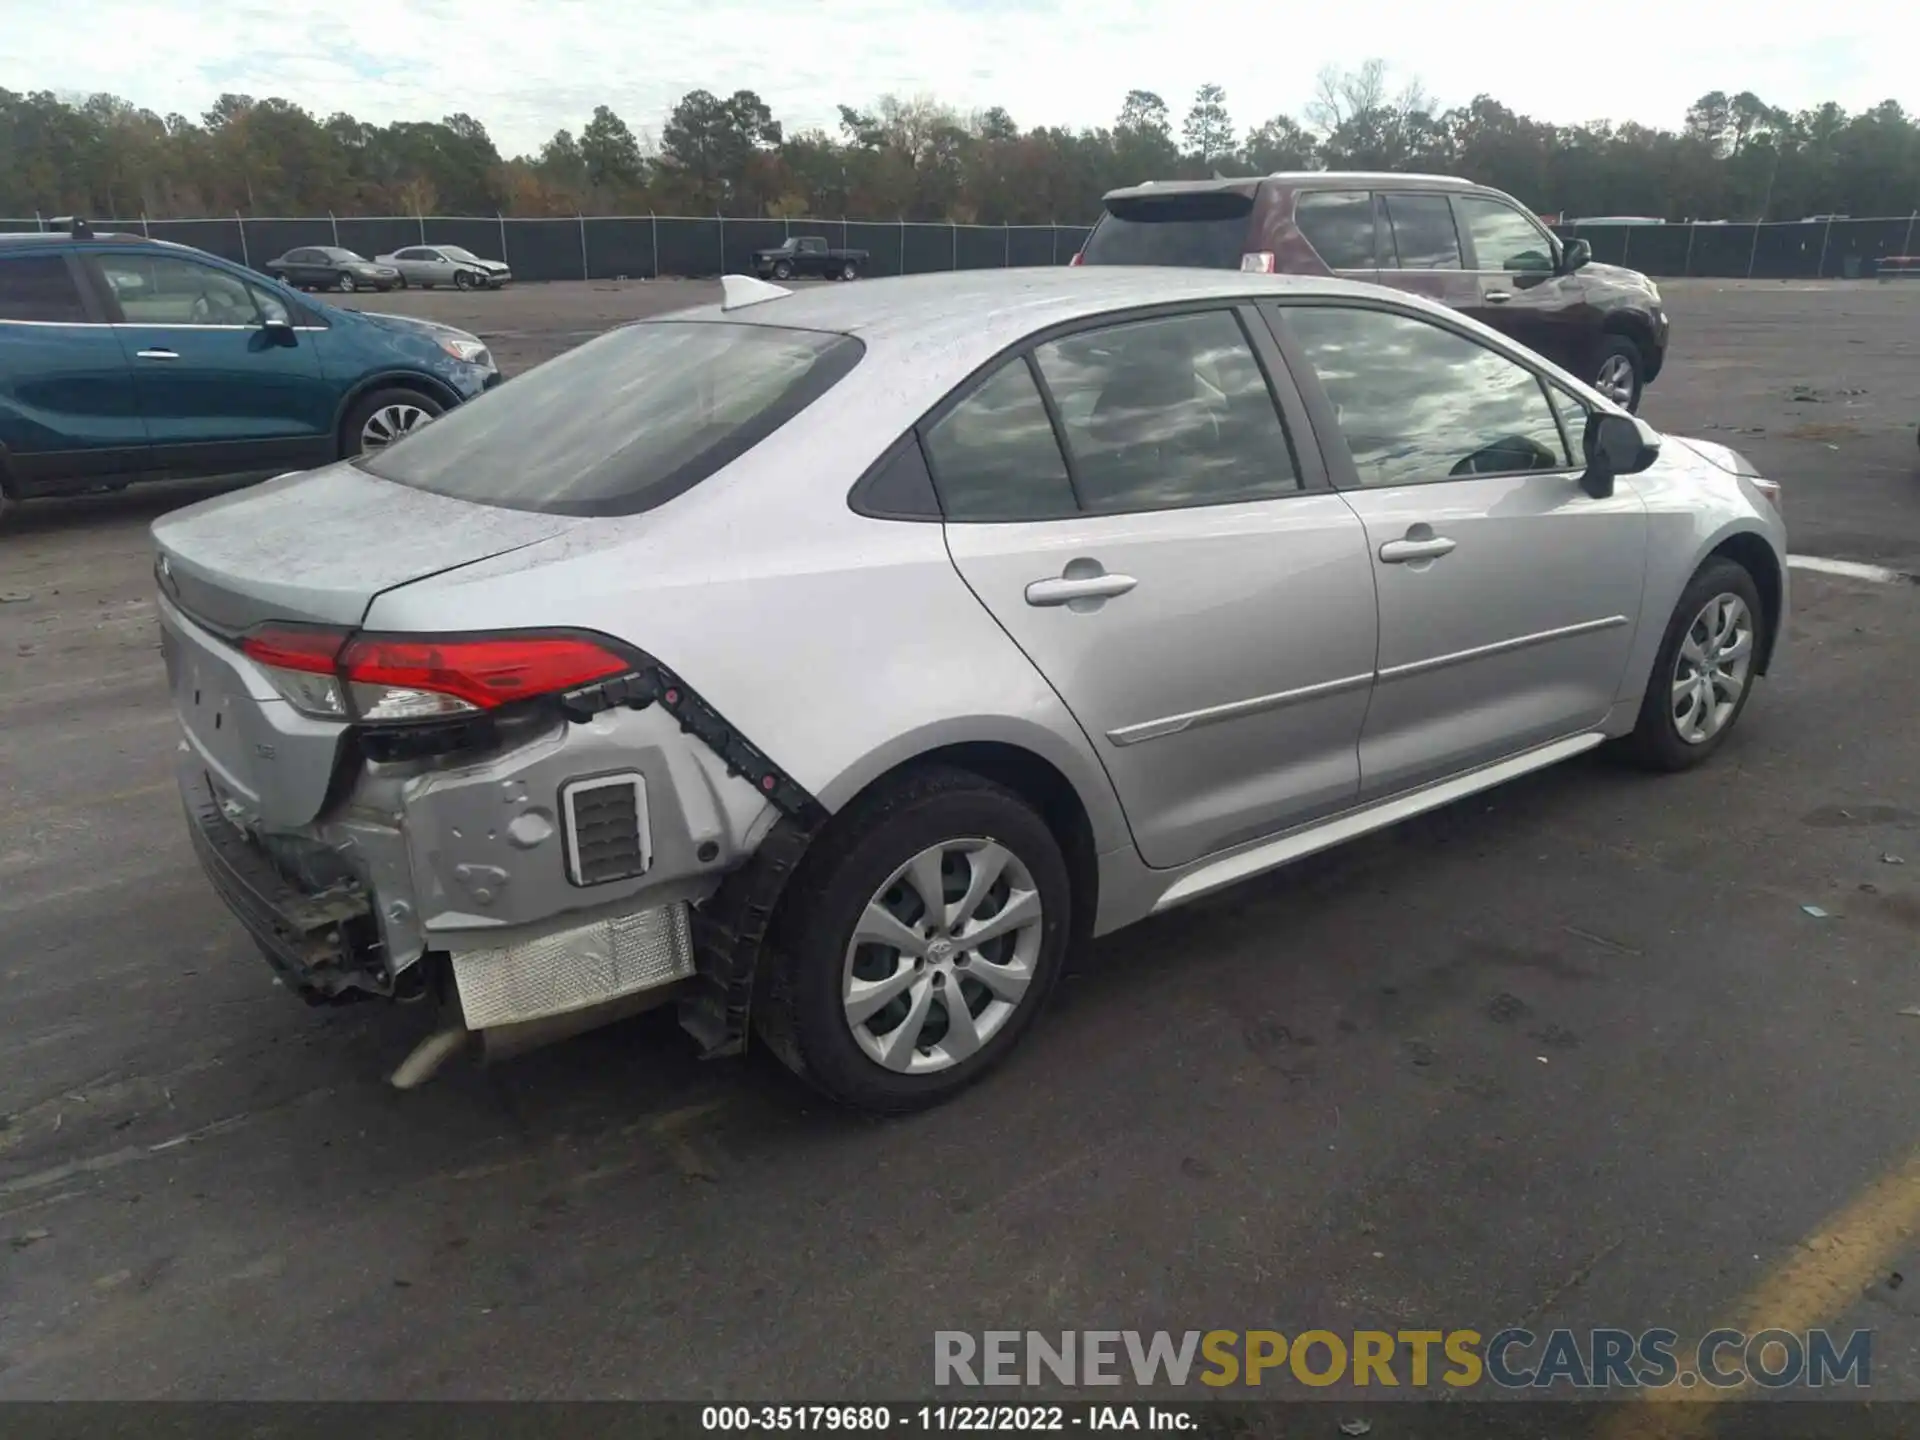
(30, 238)
(1318, 179)
(980, 312)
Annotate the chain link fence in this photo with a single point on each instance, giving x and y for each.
(607, 247)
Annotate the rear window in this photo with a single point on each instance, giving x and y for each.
(1207, 230)
(39, 287)
(624, 422)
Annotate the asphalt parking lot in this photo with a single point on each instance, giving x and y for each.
(1576, 1052)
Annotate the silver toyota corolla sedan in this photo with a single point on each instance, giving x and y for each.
(833, 663)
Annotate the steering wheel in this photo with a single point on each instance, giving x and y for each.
(1508, 453)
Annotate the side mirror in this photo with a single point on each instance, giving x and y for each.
(1615, 445)
(1577, 255)
(279, 332)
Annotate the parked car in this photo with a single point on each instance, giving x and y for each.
(1049, 600)
(801, 256)
(1468, 246)
(328, 267)
(431, 265)
(124, 359)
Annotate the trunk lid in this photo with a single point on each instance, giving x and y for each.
(319, 547)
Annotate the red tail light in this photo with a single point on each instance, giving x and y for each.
(1078, 258)
(403, 677)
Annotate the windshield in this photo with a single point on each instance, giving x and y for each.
(624, 422)
(1207, 230)
(334, 254)
(455, 252)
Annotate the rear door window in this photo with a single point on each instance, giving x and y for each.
(624, 422)
(1167, 413)
(40, 287)
(1339, 226)
(1423, 233)
(1206, 230)
(995, 456)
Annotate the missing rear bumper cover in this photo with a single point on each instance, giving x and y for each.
(639, 688)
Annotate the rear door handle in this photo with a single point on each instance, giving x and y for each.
(1065, 590)
(158, 354)
(1499, 297)
(1400, 552)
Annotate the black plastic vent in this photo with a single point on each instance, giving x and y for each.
(608, 835)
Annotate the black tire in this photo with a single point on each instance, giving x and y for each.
(462, 280)
(783, 271)
(801, 1014)
(402, 282)
(345, 284)
(849, 271)
(1612, 349)
(368, 405)
(1655, 742)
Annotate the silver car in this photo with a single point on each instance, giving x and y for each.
(847, 657)
(431, 265)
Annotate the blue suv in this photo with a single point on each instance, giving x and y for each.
(124, 359)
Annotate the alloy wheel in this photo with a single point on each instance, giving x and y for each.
(942, 956)
(1615, 380)
(1711, 670)
(346, 284)
(390, 423)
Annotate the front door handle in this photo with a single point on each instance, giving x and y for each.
(158, 354)
(1401, 552)
(1499, 297)
(1070, 587)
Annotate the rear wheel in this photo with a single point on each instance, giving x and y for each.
(1704, 672)
(1618, 371)
(402, 282)
(379, 419)
(918, 942)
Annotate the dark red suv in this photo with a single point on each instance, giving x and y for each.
(1470, 247)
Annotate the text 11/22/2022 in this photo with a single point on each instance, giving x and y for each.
(940, 1419)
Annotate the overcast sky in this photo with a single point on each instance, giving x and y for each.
(528, 67)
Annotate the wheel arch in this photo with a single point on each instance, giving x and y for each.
(441, 392)
(1631, 325)
(733, 960)
(1752, 553)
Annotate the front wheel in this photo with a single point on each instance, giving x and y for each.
(462, 281)
(783, 271)
(345, 282)
(849, 271)
(918, 942)
(378, 420)
(1619, 372)
(1704, 673)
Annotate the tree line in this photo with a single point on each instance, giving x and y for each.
(1735, 157)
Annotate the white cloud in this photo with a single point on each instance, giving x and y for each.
(528, 67)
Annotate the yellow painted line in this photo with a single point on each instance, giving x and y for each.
(1822, 1279)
